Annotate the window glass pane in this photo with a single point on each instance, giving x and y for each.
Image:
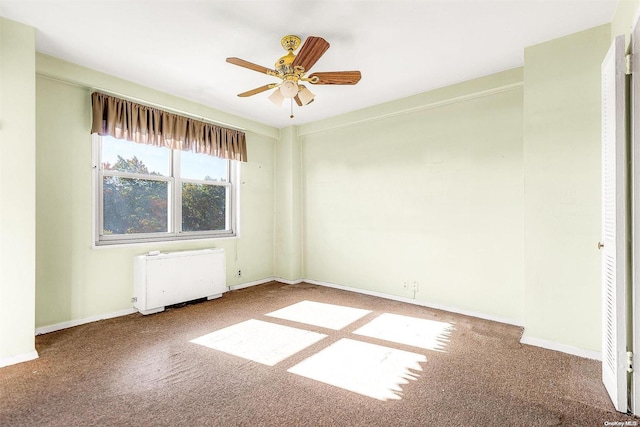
(203, 207)
(202, 167)
(126, 156)
(134, 205)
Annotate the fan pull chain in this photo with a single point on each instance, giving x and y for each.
(291, 116)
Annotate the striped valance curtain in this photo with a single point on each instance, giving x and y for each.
(128, 120)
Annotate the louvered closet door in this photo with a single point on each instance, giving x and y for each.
(635, 191)
(613, 226)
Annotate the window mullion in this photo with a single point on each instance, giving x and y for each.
(204, 182)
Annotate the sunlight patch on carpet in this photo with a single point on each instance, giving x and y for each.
(261, 342)
(422, 333)
(328, 316)
(367, 369)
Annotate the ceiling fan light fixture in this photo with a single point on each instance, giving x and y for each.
(305, 95)
(276, 97)
(289, 89)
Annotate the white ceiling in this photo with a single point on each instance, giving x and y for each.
(401, 47)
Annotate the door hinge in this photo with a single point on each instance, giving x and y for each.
(627, 64)
(629, 361)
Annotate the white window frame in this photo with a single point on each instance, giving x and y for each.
(174, 210)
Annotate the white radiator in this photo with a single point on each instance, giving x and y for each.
(174, 277)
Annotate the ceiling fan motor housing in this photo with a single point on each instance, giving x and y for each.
(284, 65)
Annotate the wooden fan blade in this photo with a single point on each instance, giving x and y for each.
(312, 49)
(336, 78)
(250, 65)
(257, 90)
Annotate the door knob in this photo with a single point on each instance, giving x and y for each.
(600, 245)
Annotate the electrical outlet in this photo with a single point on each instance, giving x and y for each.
(239, 273)
(410, 285)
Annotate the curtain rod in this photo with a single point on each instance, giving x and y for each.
(142, 101)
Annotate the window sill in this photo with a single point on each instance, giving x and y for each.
(155, 243)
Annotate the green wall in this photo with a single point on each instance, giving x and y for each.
(623, 19)
(562, 188)
(288, 228)
(17, 191)
(427, 190)
(77, 281)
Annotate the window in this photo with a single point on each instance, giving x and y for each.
(148, 193)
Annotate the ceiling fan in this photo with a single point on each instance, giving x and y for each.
(292, 70)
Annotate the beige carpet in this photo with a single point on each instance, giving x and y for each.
(300, 355)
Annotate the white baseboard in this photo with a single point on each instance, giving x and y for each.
(550, 345)
(72, 323)
(418, 302)
(18, 358)
(254, 283)
(290, 282)
(263, 281)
